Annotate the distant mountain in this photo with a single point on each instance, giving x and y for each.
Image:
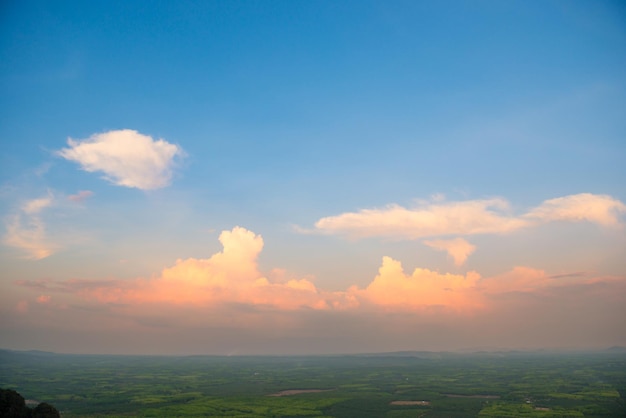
(39, 352)
(419, 354)
(7, 354)
(29, 352)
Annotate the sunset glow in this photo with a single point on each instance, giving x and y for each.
(312, 177)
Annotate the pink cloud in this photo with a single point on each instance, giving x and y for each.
(81, 196)
(458, 248)
(43, 299)
(224, 304)
(231, 277)
(520, 279)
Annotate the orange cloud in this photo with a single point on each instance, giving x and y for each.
(230, 276)
(457, 248)
(393, 288)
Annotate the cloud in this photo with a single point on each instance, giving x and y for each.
(43, 299)
(490, 216)
(393, 288)
(66, 286)
(520, 279)
(229, 283)
(223, 303)
(601, 209)
(126, 157)
(26, 230)
(81, 196)
(229, 276)
(457, 248)
(427, 220)
(574, 274)
(35, 206)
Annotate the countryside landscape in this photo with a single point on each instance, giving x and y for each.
(313, 208)
(401, 384)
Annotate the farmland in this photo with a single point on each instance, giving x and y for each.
(514, 384)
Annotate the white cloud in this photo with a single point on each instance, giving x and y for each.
(490, 216)
(427, 220)
(26, 230)
(457, 248)
(35, 206)
(126, 157)
(600, 209)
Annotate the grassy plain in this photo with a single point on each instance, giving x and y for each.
(510, 384)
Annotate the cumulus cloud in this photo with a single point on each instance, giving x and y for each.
(202, 304)
(490, 216)
(80, 196)
(393, 288)
(230, 281)
(457, 248)
(229, 276)
(126, 158)
(26, 231)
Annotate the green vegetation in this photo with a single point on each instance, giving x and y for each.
(452, 385)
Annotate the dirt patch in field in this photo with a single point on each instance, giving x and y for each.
(538, 408)
(291, 392)
(410, 403)
(450, 395)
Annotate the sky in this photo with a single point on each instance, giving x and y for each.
(312, 177)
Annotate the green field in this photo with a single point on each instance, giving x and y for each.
(511, 384)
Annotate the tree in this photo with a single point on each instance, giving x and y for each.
(45, 410)
(13, 405)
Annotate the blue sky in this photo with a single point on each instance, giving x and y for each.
(284, 114)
